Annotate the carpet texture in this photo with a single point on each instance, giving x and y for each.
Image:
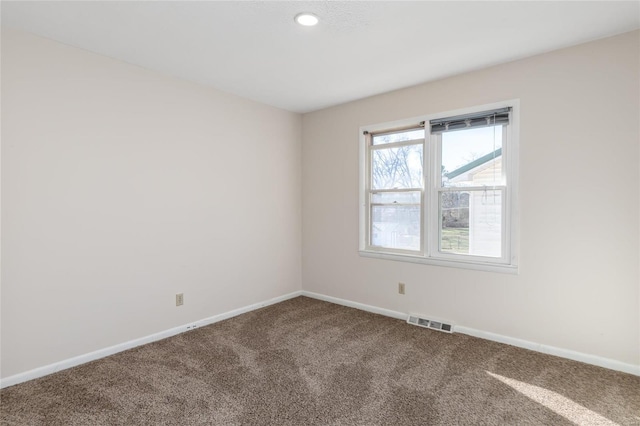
(307, 362)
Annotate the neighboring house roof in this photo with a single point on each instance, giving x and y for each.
(475, 163)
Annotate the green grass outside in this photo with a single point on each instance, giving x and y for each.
(455, 240)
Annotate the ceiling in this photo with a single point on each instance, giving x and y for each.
(359, 49)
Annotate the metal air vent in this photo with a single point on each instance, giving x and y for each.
(432, 323)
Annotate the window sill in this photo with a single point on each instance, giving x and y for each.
(488, 267)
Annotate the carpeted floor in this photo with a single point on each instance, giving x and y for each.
(307, 362)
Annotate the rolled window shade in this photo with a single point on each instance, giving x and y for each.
(468, 121)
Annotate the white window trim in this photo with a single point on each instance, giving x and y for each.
(368, 184)
(430, 222)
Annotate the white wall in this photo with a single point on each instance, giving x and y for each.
(122, 187)
(578, 286)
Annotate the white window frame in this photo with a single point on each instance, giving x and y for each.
(429, 247)
(369, 191)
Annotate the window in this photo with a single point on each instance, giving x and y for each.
(441, 189)
(395, 190)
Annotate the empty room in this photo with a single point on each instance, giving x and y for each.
(320, 213)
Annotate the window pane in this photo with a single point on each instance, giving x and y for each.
(472, 157)
(397, 168)
(471, 222)
(407, 135)
(412, 197)
(396, 227)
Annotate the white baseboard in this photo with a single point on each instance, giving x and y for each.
(101, 353)
(538, 347)
(361, 306)
(611, 364)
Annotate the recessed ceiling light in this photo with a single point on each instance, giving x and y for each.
(306, 19)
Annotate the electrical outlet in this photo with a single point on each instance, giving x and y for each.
(400, 288)
(179, 299)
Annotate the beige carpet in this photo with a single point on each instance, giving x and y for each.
(307, 362)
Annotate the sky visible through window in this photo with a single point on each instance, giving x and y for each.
(461, 147)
